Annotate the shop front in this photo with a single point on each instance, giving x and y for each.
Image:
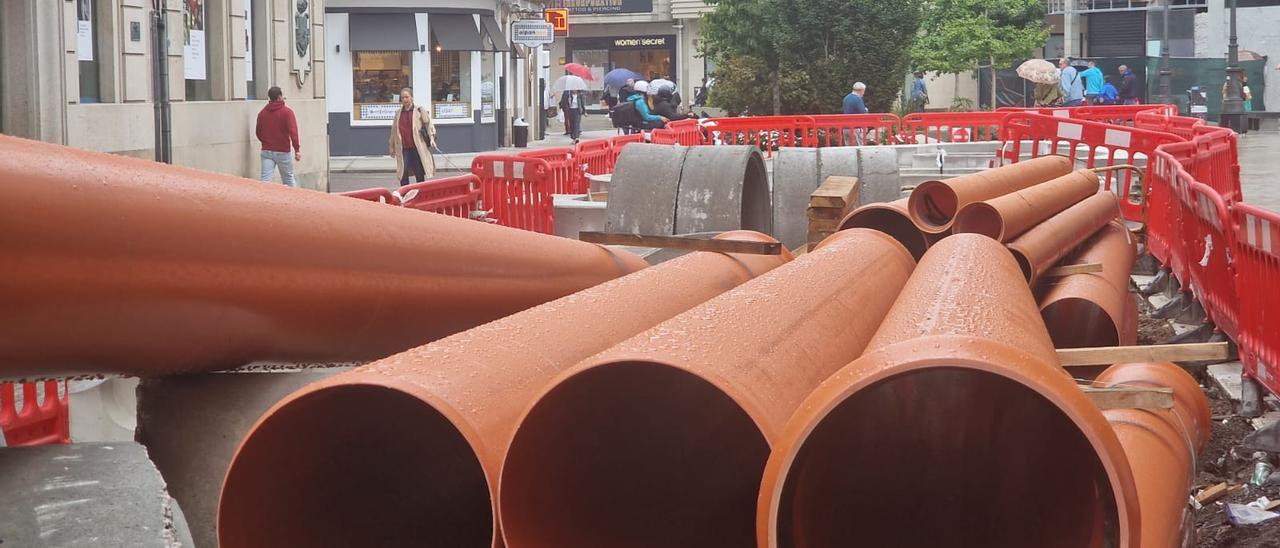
(447, 56)
(651, 56)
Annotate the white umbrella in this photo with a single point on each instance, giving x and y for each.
(1039, 71)
(660, 84)
(569, 82)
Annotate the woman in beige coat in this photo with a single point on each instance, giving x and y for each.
(410, 145)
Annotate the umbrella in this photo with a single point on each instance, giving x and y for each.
(1038, 71)
(656, 86)
(579, 70)
(569, 82)
(618, 77)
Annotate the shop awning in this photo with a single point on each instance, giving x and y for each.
(383, 32)
(494, 32)
(455, 32)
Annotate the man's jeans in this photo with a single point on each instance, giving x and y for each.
(283, 160)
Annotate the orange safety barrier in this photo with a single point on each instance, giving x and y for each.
(766, 132)
(1256, 256)
(951, 127)
(43, 418)
(617, 143)
(1207, 236)
(1082, 140)
(663, 137)
(566, 175)
(454, 196)
(1165, 178)
(687, 132)
(1120, 115)
(594, 157)
(1182, 126)
(516, 190)
(1217, 163)
(832, 130)
(378, 194)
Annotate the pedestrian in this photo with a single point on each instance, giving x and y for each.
(412, 136)
(1047, 95)
(1109, 94)
(1246, 96)
(571, 103)
(277, 130)
(919, 93)
(853, 104)
(1093, 81)
(1128, 86)
(1069, 80)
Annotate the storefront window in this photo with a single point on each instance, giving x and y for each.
(378, 77)
(598, 61)
(451, 83)
(86, 32)
(487, 87)
(195, 51)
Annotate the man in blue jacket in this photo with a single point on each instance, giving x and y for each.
(853, 104)
(1092, 77)
(1069, 81)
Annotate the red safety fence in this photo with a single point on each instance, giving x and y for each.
(1217, 163)
(617, 143)
(664, 137)
(455, 196)
(1094, 143)
(516, 190)
(833, 130)
(595, 157)
(687, 132)
(766, 132)
(1182, 126)
(1207, 236)
(951, 127)
(1256, 257)
(1120, 115)
(1165, 180)
(43, 418)
(566, 174)
(378, 194)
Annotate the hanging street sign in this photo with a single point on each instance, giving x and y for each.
(532, 32)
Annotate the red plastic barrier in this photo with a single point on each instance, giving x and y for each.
(617, 143)
(38, 422)
(595, 157)
(454, 196)
(1208, 240)
(832, 130)
(1256, 254)
(1165, 178)
(766, 132)
(1155, 120)
(663, 137)
(954, 127)
(566, 174)
(1082, 140)
(379, 194)
(1120, 115)
(516, 190)
(687, 132)
(1218, 163)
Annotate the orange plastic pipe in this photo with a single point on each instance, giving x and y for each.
(934, 204)
(957, 416)
(1038, 249)
(1093, 309)
(660, 441)
(408, 448)
(1163, 445)
(114, 264)
(1006, 217)
(892, 218)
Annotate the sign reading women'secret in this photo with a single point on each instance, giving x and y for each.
(585, 7)
(193, 57)
(84, 30)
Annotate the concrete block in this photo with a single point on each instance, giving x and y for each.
(575, 214)
(103, 410)
(1226, 377)
(86, 494)
(795, 177)
(192, 426)
(878, 175)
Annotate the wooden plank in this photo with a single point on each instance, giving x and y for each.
(681, 242)
(1212, 493)
(1067, 270)
(1107, 355)
(1129, 398)
(1273, 505)
(835, 192)
(825, 214)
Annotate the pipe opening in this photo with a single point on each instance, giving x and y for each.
(356, 465)
(1024, 263)
(894, 223)
(980, 218)
(933, 203)
(946, 457)
(633, 454)
(757, 202)
(1078, 323)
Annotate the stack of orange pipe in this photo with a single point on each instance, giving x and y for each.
(1006, 217)
(934, 204)
(1095, 308)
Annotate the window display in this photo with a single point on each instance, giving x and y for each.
(378, 78)
(487, 87)
(451, 83)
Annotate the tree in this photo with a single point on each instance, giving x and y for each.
(746, 29)
(959, 35)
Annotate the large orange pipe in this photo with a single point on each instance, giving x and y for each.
(660, 441)
(114, 264)
(1038, 249)
(893, 219)
(405, 451)
(1093, 309)
(954, 419)
(1163, 445)
(1006, 217)
(934, 204)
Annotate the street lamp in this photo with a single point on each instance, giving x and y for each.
(1166, 72)
(1232, 102)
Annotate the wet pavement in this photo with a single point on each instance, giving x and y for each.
(1260, 169)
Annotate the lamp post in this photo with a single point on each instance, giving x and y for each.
(1232, 103)
(1166, 72)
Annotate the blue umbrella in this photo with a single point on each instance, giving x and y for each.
(618, 77)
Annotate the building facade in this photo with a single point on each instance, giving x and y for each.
(85, 73)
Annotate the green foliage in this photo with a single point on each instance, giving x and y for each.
(958, 35)
(963, 104)
(742, 86)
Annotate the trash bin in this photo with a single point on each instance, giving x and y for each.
(520, 133)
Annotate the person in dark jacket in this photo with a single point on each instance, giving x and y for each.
(640, 100)
(277, 130)
(572, 103)
(664, 105)
(1128, 86)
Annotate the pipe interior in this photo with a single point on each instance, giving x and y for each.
(897, 225)
(633, 455)
(1079, 323)
(937, 204)
(946, 457)
(356, 465)
(1024, 263)
(980, 218)
(757, 201)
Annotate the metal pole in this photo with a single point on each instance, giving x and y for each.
(1166, 71)
(1232, 102)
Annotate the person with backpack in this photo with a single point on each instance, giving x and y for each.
(1072, 87)
(665, 105)
(632, 113)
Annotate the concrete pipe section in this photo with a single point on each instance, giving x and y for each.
(796, 174)
(660, 441)
(1095, 308)
(953, 421)
(158, 269)
(1006, 217)
(1038, 249)
(1163, 446)
(405, 451)
(724, 188)
(893, 219)
(934, 204)
(644, 188)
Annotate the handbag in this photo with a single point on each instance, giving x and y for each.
(425, 134)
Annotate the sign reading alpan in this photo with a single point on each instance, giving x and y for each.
(587, 7)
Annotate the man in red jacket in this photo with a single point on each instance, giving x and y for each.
(277, 130)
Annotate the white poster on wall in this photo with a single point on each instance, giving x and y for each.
(193, 58)
(84, 29)
(248, 41)
(300, 53)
